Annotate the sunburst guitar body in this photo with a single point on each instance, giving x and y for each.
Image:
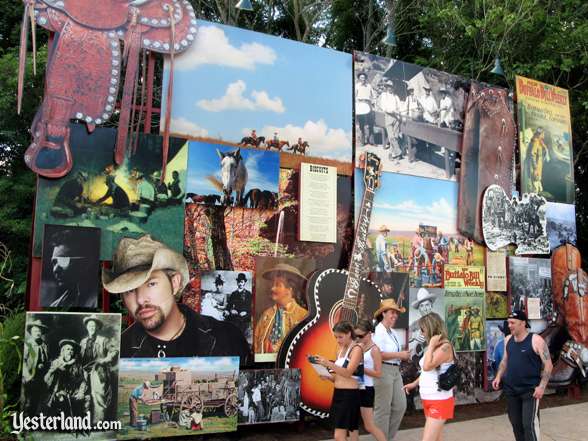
(314, 334)
(333, 295)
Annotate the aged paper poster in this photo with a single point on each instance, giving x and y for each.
(318, 203)
(545, 137)
(464, 277)
(496, 270)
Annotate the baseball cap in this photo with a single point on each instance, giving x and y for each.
(519, 315)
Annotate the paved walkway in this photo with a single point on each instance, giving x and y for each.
(564, 423)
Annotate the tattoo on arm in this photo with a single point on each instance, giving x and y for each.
(547, 366)
(545, 354)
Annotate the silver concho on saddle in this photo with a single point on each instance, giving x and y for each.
(84, 65)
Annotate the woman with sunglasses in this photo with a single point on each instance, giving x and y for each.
(390, 399)
(347, 373)
(372, 368)
(438, 404)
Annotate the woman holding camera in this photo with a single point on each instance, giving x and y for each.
(438, 404)
(347, 373)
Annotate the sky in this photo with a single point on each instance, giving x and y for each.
(232, 80)
(404, 201)
(196, 364)
(263, 167)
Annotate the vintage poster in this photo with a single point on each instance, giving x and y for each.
(269, 396)
(496, 270)
(232, 176)
(70, 276)
(318, 203)
(280, 284)
(227, 296)
(70, 365)
(496, 304)
(253, 91)
(495, 330)
(182, 396)
(545, 140)
(464, 277)
(465, 318)
(422, 302)
(561, 224)
(530, 278)
(413, 228)
(521, 221)
(411, 116)
(126, 200)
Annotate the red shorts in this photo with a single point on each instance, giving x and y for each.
(439, 409)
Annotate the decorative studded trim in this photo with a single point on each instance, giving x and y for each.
(178, 8)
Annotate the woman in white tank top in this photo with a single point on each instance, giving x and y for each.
(372, 367)
(438, 404)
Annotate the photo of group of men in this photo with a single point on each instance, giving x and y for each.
(411, 116)
(70, 364)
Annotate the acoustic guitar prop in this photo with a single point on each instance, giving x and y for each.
(327, 307)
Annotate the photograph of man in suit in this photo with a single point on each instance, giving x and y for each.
(239, 308)
(35, 366)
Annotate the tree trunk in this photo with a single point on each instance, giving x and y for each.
(218, 236)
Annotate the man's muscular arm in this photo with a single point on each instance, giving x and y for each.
(542, 350)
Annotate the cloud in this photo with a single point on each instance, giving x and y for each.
(233, 99)
(407, 215)
(184, 126)
(212, 46)
(256, 178)
(323, 141)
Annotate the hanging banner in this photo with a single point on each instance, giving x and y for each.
(545, 140)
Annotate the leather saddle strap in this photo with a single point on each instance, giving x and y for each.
(168, 100)
(28, 14)
(131, 51)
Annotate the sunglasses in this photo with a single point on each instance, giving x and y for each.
(360, 335)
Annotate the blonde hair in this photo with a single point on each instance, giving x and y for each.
(432, 324)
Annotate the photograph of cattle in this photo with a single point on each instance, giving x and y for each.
(232, 176)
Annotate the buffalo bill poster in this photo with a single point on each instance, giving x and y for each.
(465, 307)
(545, 140)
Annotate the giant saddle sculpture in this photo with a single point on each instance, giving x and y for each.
(84, 65)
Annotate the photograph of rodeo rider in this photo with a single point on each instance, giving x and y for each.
(151, 277)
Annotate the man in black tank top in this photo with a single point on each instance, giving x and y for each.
(524, 372)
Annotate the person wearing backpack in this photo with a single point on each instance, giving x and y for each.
(438, 373)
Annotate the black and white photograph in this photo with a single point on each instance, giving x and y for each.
(70, 364)
(410, 116)
(422, 301)
(561, 224)
(530, 278)
(269, 396)
(521, 221)
(70, 276)
(227, 296)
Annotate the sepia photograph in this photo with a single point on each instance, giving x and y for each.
(70, 364)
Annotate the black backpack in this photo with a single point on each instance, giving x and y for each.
(451, 377)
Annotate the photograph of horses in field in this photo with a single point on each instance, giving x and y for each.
(232, 176)
(254, 92)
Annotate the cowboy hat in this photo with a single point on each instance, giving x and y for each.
(282, 268)
(94, 318)
(383, 228)
(135, 260)
(241, 276)
(422, 295)
(387, 304)
(426, 87)
(443, 89)
(67, 341)
(36, 323)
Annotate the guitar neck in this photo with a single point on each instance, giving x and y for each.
(357, 269)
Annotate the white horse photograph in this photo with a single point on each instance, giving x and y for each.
(232, 176)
